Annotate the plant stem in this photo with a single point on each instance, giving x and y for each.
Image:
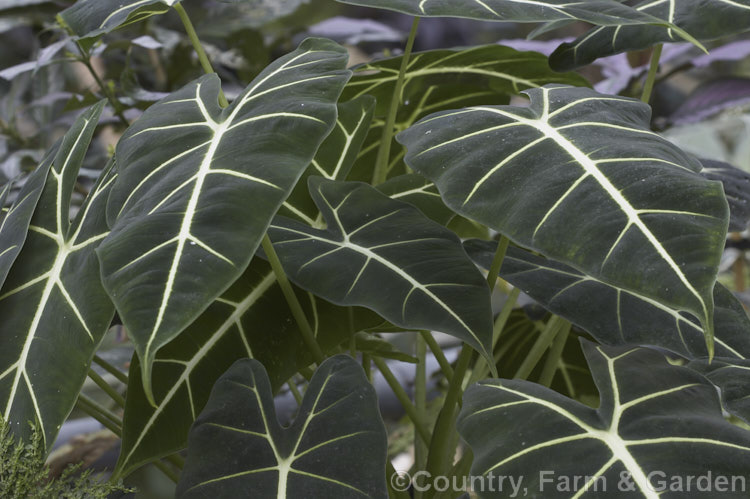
(121, 376)
(86, 61)
(648, 86)
(170, 473)
(202, 57)
(497, 262)
(108, 419)
(544, 340)
(176, 459)
(384, 151)
(420, 400)
(441, 448)
(445, 366)
(299, 315)
(113, 394)
(553, 359)
(295, 392)
(366, 366)
(393, 493)
(402, 397)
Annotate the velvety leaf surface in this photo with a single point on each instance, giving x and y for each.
(604, 12)
(616, 316)
(183, 227)
(736, 184)
(336, 446)
(579, 177)
(732, 376)
(385, 255)
(54, 308)
(703, 19)
(90, 18)
(655, 421)
(251, 319)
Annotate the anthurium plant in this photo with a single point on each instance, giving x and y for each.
(269, 239)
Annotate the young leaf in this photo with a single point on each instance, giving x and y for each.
(703, 19)
(336, 447)
(251, 319)
(616, 316)
(600, 12)
(55, 311)
(655, 421)
(385, 255)
(650, 224)
(91, 18)
(199, 186)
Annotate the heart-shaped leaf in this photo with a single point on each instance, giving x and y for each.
(652, 224)
(182, 228)
(736, 184)
(616, 316)
(655, 422)
(336, 447)
(91, 18)
(55, 311)
(600, 12)
(703, 19)
(385, 255)
(251, 319)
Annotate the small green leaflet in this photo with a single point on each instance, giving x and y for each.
(54, 307)
(599, 12)
(199, 185)
(616, 316)
(703, 19)
(334, 158)
(251, 319)
(655, 421)
(336, 447)
(386, 255)
(579, 177)
(91, 18)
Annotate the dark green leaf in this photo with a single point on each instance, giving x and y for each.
(385, 255)
(336, 447)
(91, 18)
(655, 422)
(604, 12)
(579, 177)
(55, 311)
(736, 184)
(251, 319)
(703, 19)
(420, 192)
(616, 316)
(182, 227)
(334, 158)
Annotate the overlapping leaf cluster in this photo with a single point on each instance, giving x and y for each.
(613, 228)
